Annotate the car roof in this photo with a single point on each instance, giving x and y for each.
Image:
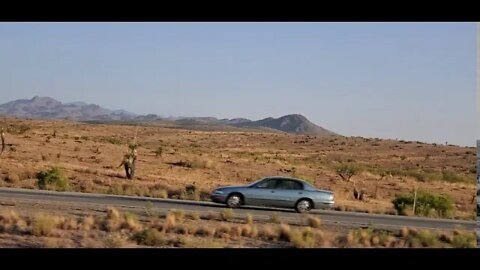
(285, 178)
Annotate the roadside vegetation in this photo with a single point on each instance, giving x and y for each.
(116, 229)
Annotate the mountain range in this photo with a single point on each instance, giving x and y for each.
(49, 108)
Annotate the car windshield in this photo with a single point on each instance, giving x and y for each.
(309, 186)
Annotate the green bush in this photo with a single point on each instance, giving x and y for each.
(52, 179)
(346, 171)
(427, 204)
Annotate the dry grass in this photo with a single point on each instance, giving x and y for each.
(9, 218)
(160, 194)
(274, 218)
(268, 233)
(115, 240)
(11, 222)
(151, 237)
(227, 214)
(69, 224)
(91, 243)
(249, 219)
(131, 223)
(211, 215)
(113, 221)
(204, 231)
(53, 242)
(45, 225)
(249, 230)
(179, 229)
(222, 231)
(87, 223)
(170, 221)
(193, 215)
(303, 239)
(313, 222)
(49, 230)
(284, 232)
(178, 214)
(12, 178)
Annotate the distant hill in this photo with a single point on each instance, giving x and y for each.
(49, 108)
(293, 123)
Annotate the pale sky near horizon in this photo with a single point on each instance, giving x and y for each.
(412, 81)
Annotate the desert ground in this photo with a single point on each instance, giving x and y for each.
(171, 161)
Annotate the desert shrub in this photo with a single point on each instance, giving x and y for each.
(426, 202)
(52, 179)
(150, 237)
(204, 231)
(346, 171)
(178, 214)
(227, 214)
(249, 219)
(211, 215)
(193, 215)
(313, 222)
(190, 193)
(44, 225)
(466, 240)
(268, 233)
(303, 239)
(115, 240)
(274, 218)
(131, 222)
(425, 239)
(12, 178)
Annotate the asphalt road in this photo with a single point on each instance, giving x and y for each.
(339, 218)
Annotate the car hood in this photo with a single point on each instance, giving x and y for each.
(324, 191)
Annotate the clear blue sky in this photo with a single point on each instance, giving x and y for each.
(413, 81)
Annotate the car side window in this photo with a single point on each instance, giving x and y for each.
(297, 185)
(289, 184)
(268, 183)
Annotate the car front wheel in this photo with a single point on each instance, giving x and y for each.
(234, 201)
(303, 206)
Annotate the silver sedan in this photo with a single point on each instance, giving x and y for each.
(284, 192)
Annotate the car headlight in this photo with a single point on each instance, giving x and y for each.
(218, 192)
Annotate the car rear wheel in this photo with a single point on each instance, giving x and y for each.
(234, 201)
(303, 206)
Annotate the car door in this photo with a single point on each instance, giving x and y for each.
(287, 192)
(262, 193)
